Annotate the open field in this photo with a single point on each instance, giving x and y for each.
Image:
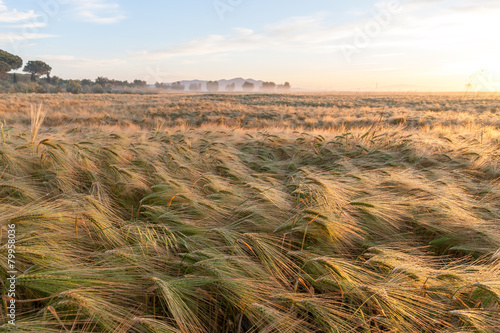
(252, 213)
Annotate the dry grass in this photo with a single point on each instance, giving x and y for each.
(37, 116)
(254, 213)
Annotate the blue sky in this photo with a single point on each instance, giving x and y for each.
(433, 45)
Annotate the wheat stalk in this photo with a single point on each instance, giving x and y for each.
(37, 116)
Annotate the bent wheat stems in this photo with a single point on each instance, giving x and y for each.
(301, 213)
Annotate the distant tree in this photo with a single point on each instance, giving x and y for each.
(9, 62)
(284, 87)
(4, 67)
(177, 86)
(137, 83)
(56, 80)
(97, 89)
(268, 86)
(213, 86)
(195, 86)
(248, 86)
(74, 87)
(36, 68)
(103, 81)
(230, 87)
(159, 85)
(86, 82)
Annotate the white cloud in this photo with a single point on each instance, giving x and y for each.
(13, 37)
(294, 33)
(15, 41)
(29, 25)
(425, 25)
(76, 62)
(475, 5)
(98, 11)
(14, 16)
(240, 40)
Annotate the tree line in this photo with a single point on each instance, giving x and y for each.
(38, 80)
(214, 86)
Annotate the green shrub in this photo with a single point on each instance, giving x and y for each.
(74, 87)
(98, 89)
(28, 87)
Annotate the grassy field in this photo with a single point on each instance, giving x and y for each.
(252, 213)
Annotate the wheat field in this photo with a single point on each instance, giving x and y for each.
(252, 213)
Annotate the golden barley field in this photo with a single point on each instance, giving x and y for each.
(351, 212)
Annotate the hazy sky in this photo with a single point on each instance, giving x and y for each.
(434, 45)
